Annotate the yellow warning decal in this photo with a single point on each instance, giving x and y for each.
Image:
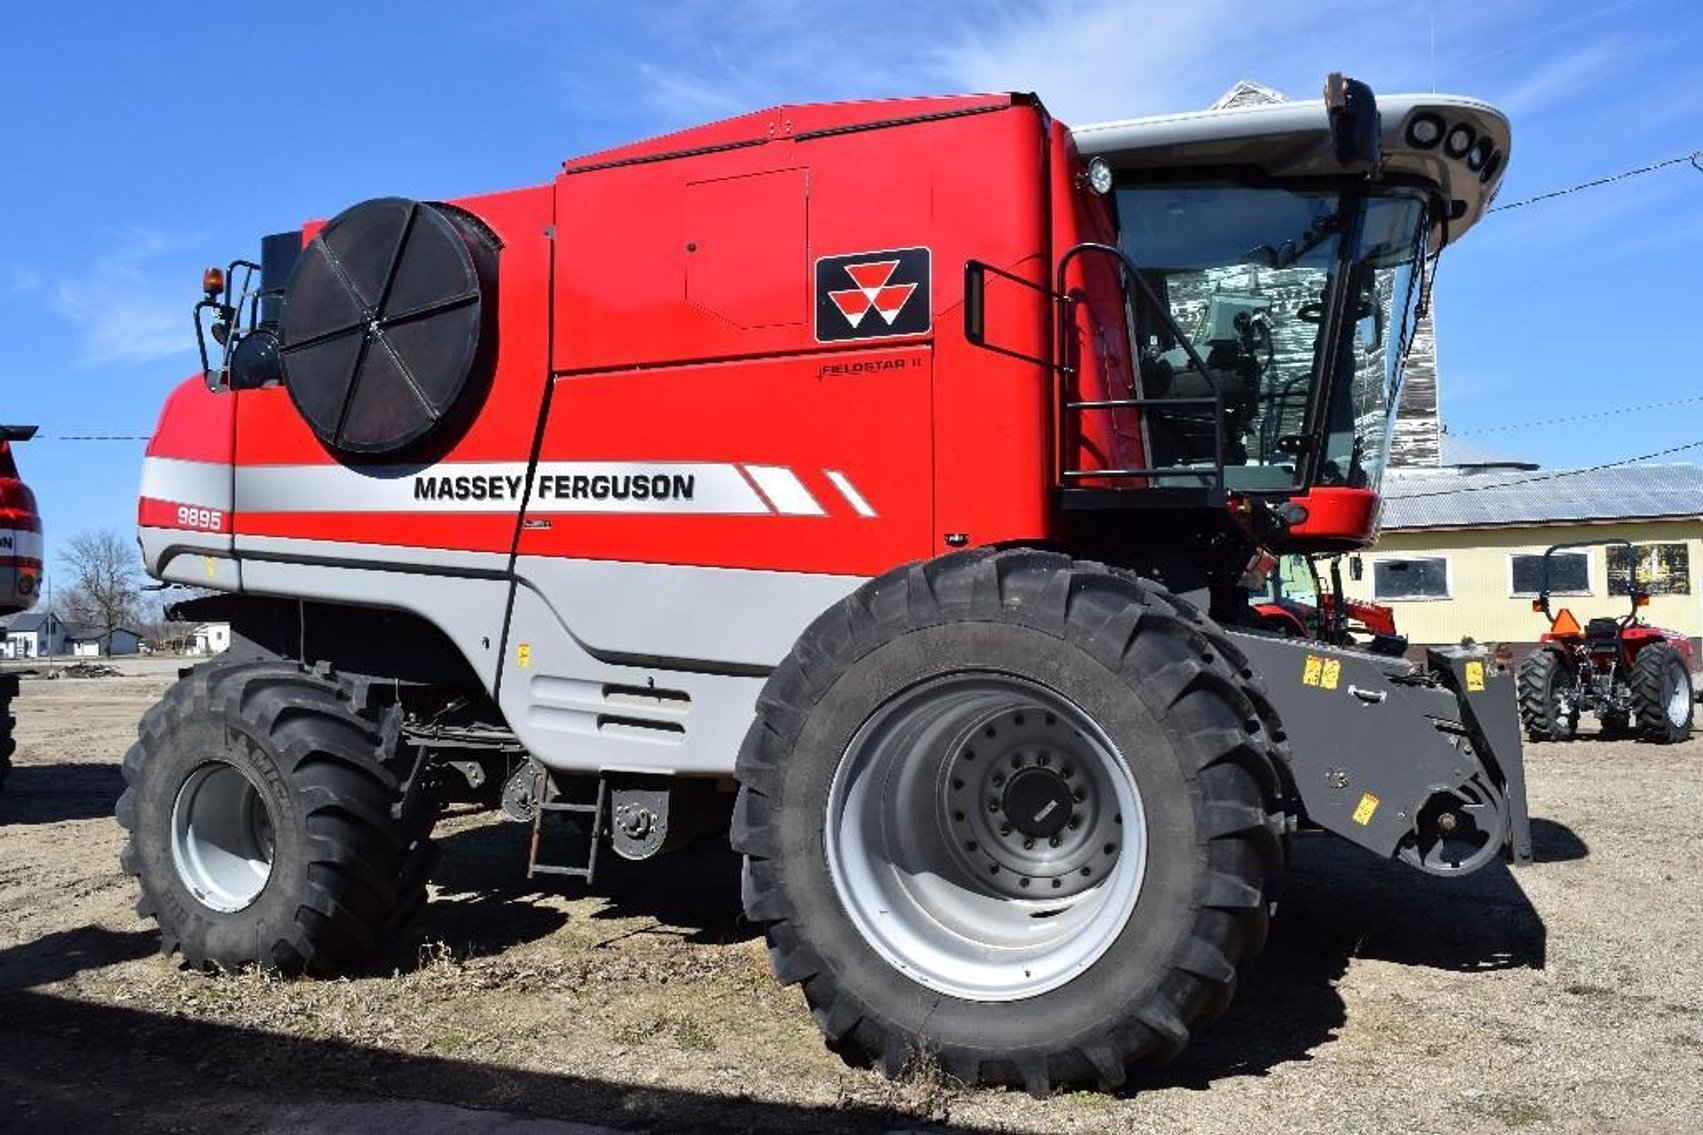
(1474, 677)
(1363, 813)
(523, 655)
(1324, 673)
(210, 567)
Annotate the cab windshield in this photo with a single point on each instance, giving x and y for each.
(1253, 276)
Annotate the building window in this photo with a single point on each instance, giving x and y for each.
(1418, 578)
(1569, 573)
(1663, 569)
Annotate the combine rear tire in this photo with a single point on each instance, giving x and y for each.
(1014, 811)
(1661, 691)
(274, 819)
(1544, 711)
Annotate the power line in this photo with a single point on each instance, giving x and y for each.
(1556, 476)
(92, 437)
(1692, 157)
(1566, 418)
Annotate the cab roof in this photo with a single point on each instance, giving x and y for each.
(1459, 145)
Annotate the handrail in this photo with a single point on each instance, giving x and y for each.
(1133, 271)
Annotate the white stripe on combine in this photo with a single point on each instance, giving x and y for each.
(784, 490)
(21, 543)
(849, 491)
(498, 487)
(204, 483)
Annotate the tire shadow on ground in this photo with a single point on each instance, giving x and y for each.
(67, 953)
(1340, 903)
(64, 1061)
(51, 794)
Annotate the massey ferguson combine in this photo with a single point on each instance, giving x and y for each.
(20, 567)
(883, 483)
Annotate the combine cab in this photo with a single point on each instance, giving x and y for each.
(877, 485)
(1635, 678)
(20, 566)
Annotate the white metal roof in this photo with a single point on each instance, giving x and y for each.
(1491, 498)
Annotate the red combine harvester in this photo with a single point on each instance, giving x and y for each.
(20, 567)
(880, 483)
(1634, 677)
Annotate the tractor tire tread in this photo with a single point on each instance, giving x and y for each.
(1649, 695)
(1539, 672)
(336, 748)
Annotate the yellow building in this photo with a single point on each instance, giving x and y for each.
(1461, 550)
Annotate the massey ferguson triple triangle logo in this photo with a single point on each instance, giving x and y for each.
(872, 295)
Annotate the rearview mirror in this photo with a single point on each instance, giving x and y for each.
(1356, 132)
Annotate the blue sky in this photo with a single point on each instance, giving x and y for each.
(145, 141)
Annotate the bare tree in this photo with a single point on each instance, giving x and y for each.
(105, 586)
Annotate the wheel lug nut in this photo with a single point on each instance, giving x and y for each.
(1005, 829)
(1018, 720)
(957, 783)
(1017, 761)
(1028, 844)
(993, 805)
(1067, 772)
(1053, 842)
(1043, 759)
(1023, 882)
(1057, 883)
(1074, 823)
(958, 816)
(1086, 871)
(969, 754)
(1076, 797)
(1111, 849)
(971, 846)
(1051, 720)
(998, 779)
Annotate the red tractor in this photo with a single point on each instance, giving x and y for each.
(1634, 677)
(873, 485)
(20, 567)
(1310, 610)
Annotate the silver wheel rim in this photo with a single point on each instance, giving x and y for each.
(1679, 702)
(946, 846)
(222, 840)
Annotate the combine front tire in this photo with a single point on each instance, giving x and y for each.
(1015, 811)
(1545, 709)
(1662, 694)
(273, 819)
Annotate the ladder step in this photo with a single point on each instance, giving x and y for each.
(591, 831)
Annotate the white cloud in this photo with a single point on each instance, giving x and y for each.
(120, 312)
(1094, 61)
(1570, 75)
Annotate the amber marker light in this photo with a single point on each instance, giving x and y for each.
(212, 282)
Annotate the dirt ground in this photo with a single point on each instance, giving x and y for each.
(1562, 996)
